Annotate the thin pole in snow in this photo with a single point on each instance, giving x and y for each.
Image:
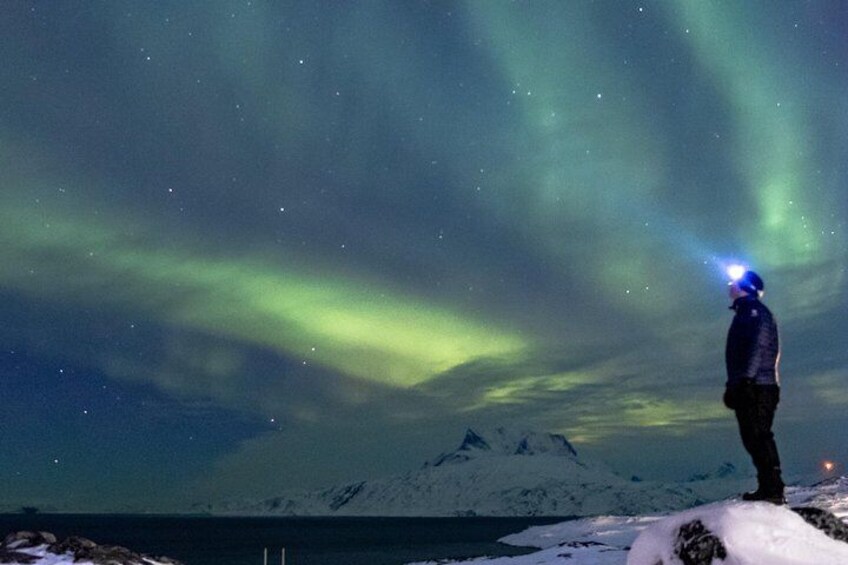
(283, 556)
(265, 557)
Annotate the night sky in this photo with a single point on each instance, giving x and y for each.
(249, 246)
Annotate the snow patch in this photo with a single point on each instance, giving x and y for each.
(752, 533)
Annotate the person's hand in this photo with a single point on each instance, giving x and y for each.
(741, 393)
(729, 397)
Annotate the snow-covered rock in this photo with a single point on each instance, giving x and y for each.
(831, 494)
(741, 533)
(42, 548)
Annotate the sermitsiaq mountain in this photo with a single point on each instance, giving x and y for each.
(491, 474)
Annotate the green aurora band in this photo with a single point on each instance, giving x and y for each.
(348, 325)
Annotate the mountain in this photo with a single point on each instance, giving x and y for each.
(491, 473)
(724, 471)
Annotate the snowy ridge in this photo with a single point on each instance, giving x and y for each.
(831, 494)
(493, 473)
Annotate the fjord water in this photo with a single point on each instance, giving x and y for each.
(197, 540)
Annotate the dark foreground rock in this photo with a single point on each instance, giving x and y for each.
(78, 549)
(824, 521)
(697, 545)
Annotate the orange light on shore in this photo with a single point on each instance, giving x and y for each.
(829, 466)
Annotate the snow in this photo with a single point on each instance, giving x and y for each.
(597, 541)
(47, 558)
(754, 533)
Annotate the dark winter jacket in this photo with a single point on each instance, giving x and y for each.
(753, 347)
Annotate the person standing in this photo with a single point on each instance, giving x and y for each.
(752, 390)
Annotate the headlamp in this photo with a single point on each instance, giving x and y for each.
(736, 272)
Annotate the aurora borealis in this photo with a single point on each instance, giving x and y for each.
(248, 246)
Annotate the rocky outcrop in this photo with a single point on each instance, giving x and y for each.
(696, 545)
(28, 547)
(744, 533)
(824, 521)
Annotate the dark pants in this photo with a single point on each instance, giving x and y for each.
(755, 406)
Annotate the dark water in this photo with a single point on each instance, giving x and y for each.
(308, 541)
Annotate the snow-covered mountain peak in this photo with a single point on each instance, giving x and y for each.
(724, 471)
(504, 442)
(837, 484)
(473, 441)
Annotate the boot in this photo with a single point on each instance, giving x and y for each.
(753, 495)
(769, 488)
(775, 497)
